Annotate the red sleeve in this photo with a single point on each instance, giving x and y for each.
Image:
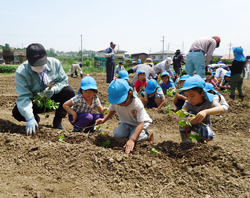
(137, 86)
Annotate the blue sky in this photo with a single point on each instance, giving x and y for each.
(135, 25)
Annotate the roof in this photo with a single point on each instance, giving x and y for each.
(165, 52)
(138, 54)
(217, 55)
(117, 51)
(226, 56)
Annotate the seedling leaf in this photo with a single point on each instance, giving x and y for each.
(61, 138)
(182, 123)
(108, 142)
(154, 151)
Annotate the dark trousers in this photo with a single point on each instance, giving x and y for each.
(177, 70)
(110, 66)
(66, 94)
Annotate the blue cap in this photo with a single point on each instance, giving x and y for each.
(123, 74)
(88, 83)
(213, 72)
(228, 74)
(141, 72)
(118, 91)
(184, 77)
(173, 72)
(220, 62)
(164, 74)
(152, 86)
(193, 82)
(210, 87)
(111, 43)
(239, 56)
(139, 61)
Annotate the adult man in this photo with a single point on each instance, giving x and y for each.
(196, 56)
(35, 75)
(147, 67)
(164, 66)
(118, 68)
(219, 73)
(110, 63)
(74, 68)
(177, 60)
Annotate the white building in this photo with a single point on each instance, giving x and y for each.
(160, 56)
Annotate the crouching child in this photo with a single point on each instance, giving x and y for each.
(200, 103)
(134, 120)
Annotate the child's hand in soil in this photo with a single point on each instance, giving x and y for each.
(199, 117)
(155, 108)
(99, 121)
(129, 146)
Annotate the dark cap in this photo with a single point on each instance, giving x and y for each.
(178, 51)
(36, 54)
(120, 62)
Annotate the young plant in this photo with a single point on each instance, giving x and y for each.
(107, 105)
(168, 109)
(226, 90)
(98, 128)
(42, 101)
(141, 90)
(154, 151)
(106, 143)
(171, 91)
(61, 138)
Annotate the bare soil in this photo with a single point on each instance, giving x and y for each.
(41, 166)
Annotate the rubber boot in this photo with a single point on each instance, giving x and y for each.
(81, 75)
(57, 123)
(232, 97)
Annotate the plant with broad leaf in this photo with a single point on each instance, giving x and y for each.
(154, 151)
(168, 109)
(98, 128)
(61, 138)
(171, 91)
(106, 143)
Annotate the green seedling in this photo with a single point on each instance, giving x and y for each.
(226, 90)
(61, 138)
(195, 137)
(98, 128)
(240, 100)
(107, 127)
(154, 151)
(168, 109)
(171, 91)
(107, 104)
(42, 101)
(106, 144)
(141, 90)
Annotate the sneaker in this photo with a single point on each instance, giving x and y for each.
(151, 135)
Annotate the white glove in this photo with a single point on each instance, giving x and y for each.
(49, 92)
(31, 126)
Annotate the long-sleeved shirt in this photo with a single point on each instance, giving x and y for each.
(237, 67)
(207, 45)
(149, 72)
(28, 84)
(118, 69)
(109, 54)
(165, 67)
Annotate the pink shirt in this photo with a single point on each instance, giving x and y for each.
(213, 83)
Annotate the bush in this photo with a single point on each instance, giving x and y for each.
(8, 69)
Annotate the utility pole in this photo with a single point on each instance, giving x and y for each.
(81, 48)
(163, 48)
(182, 46)
(168, 46)
(230, 49)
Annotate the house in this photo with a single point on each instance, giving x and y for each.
(120, 54)
(141, 56)
(227, 57)
(160, 56)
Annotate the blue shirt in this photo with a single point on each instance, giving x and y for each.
(167, 86)
(110, 51)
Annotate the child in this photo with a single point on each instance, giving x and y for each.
(166, 82)
(200, 103)
(124, 75)
(217, 96)
(80, 106)
(180, 99)
(154, 97)
(141, 83)
(118, 68)
(134, 120)
(209, 79)
(225, 83)
(237, 76)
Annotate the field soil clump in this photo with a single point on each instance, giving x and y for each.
(81, 166)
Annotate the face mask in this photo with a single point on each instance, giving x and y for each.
(38, 69)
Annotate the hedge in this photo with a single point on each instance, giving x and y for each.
(8, 69)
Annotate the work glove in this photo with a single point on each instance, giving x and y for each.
(31, 126)
(49, 92)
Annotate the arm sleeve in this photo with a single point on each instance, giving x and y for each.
(25, 96)
(210, 51)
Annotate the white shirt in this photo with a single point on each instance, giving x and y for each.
(220, 73)
(131, 114)
(222, 101)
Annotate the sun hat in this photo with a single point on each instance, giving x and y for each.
(184, 77)
(139, 61)
(164, 74)
(88, 82)
(36, 54)
(149, 61)
(193, 82)
(228, 74)
(169, 60)
(213, 72)
(118, 91)
(220, 62)
(239, 56)
(112, 43)
(216, 66)
(174, 72)
(210, 87)
(152, 86)
(123, 74)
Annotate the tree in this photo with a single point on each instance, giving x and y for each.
(51, 52)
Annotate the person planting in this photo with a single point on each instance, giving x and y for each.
(225, 83)
(134, 120)
(179, 98)
(40, 74)
(141, 83)
(167, 82)
(199, 103)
